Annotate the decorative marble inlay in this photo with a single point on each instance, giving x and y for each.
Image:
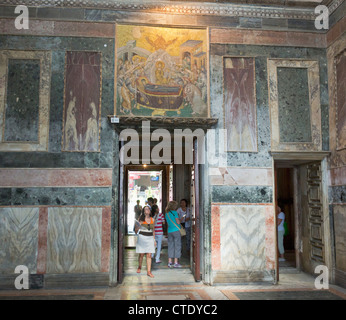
(275, 97)
(74, 240)
(294, 106)
(340, 240)
(334, 53)
(22, 101)
(18, 238)
(240, 104)
(16, 105)
(243, 234)
(82, 102)
(340, 74)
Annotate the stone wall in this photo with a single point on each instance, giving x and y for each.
(55, 205)
(67, 201)
(337, 165)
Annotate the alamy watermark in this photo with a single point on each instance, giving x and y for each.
(137, 148)
(22, 281)
(22, 21)
(322, 20)
(322, 281)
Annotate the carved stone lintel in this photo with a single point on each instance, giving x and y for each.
(169, 123)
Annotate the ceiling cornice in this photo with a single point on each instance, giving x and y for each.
(191, 8)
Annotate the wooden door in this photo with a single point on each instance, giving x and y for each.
(313, 252)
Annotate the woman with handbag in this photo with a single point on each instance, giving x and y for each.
(146, 239)
(174, 234)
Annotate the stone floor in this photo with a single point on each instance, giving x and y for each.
(179, 284)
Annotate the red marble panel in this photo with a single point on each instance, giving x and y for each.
(240, 104)
(336, 31)
(270, 245)
(42, 240)
(55, 177)
(60, 28)
(106, 239)
(84, 29)
(215, 238)
(36, 27)
(337, 176)
(82, 101)
(266, 37)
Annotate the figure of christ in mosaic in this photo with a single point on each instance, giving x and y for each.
(340, 65)
(82, 101)
(239, 104)
(161, 72)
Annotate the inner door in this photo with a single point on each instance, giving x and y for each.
(313, 250)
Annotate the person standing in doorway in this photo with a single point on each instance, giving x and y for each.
(281, 233)
(185, 217)
(174, 237)
(146, 239)
(159, 222)
(138, 210)
(150, 202)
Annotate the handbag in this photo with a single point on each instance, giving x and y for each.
(182, 230)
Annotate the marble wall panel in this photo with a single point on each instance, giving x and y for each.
(18, 238)
(340, 70)
(74, 240)
(18, 107)
(340, 239)
(315, 106)
(22, 100)
(240, 104)
(55, 177)
(335, 54)
(294, 106)
(233, 176)
(241, 194)
(243, 233)
(82, 102)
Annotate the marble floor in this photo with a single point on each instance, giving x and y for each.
(179, 284)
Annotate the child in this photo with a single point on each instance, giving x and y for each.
(159, 221)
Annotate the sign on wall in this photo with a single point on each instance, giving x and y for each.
(161, 71)
(82, 102)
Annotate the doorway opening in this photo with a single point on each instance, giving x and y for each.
(300, 192)
(285, 201)
(165, 183)
(141, 186)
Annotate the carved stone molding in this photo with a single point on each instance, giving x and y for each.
(190, 8)
(168, 123)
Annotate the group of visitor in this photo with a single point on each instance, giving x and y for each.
(149, 227)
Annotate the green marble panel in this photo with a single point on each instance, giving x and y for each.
(294, 105)
(22, 103)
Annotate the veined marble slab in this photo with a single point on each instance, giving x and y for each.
(74, 240)
(44, 58)
(232, 176)
(242, 233)
(18, 238)
(313, 85)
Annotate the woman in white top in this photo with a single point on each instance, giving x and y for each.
(281, 233)
(185, 217)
